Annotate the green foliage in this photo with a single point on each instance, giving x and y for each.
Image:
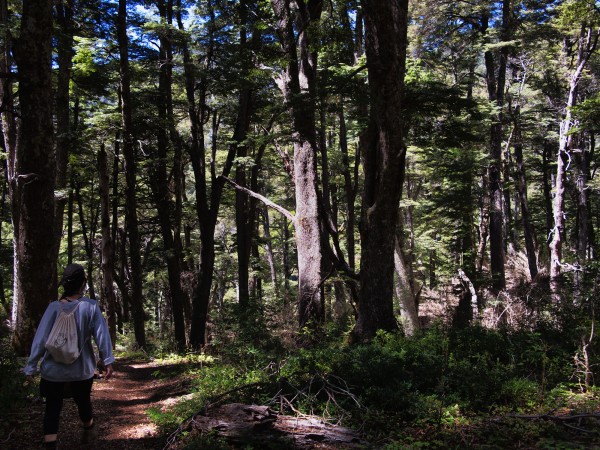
(13, 391)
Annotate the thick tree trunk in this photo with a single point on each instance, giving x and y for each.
(133, 234)
(299, 88)
(33, 176)
(107, 296)
(386, 26)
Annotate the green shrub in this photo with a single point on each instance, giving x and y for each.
(12, 380)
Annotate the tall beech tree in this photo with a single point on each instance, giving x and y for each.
(386, 24)
(208, 195)
(159, 177)
(131, 219)
(496, 84)
(581, 15)
(32, 174)
(295, 22)
(65, 28)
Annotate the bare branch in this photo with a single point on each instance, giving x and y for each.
(263, 199)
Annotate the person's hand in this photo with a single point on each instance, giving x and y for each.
(109, 372)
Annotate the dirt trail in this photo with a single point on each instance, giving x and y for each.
(119, 407)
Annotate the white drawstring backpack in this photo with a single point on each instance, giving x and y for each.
(62, 342)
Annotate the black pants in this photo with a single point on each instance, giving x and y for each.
(55, 392)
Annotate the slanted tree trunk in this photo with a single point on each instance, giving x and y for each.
(33, 175)
(133, 233)
(386, 26)
(88, 231)
(405, 289)
(107, 296)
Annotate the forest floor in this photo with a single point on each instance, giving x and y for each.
(120, 406)
(119, 409)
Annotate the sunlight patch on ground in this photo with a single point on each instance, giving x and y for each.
(167, 403)
(137, 431)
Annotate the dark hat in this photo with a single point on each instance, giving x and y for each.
(73, 274)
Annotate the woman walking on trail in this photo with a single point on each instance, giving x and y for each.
(61, 380)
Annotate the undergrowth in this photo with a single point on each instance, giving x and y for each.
(443, 388)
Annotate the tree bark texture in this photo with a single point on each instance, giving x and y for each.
(384, 159)
(33, 176)
(299, 89)
(405, 289)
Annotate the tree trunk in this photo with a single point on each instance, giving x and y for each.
(115, 236)
(386, 26)
(7, 116)
(87, 234)
(160, 182)
(528, 230)
(64, 133)
(33, 176)
(130, 180)
(496, 82)
(349, 188)
(207, 201)
(298, 85)
(243, 215)
(269, 246)
(547, 152)
(585, 48)
(582, 174)
(405, 289)
(107, 297)
(484, 223)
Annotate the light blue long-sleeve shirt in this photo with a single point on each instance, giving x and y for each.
(90, 322)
